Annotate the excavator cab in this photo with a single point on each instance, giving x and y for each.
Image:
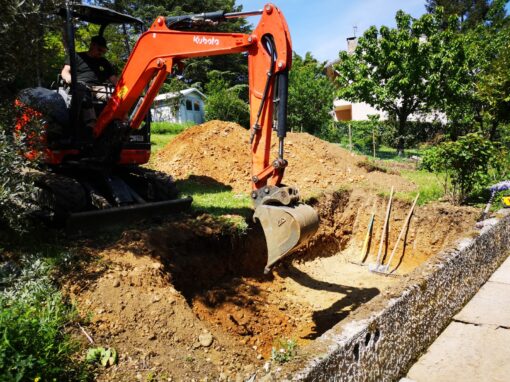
(74, 93)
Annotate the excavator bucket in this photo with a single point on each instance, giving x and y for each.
(285, 228)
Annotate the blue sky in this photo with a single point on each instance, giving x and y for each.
(322, 26)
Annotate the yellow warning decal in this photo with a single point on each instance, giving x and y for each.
(122, 92)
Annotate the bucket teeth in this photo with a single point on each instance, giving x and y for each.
(285, 228)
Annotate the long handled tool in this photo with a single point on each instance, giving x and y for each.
(385, 268)
(375, 267)
(364, 250)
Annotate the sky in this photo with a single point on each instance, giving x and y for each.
(322, 26)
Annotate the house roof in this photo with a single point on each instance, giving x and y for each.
(184, 92)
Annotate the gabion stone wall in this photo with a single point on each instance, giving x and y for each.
(383, 345)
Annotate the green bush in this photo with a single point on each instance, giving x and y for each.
(225, 105)
(466, 165)
(33, 345)
(338, 132)
(385, 134)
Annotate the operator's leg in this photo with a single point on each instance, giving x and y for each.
(88, 114)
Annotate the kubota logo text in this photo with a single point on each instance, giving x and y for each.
(201, 40)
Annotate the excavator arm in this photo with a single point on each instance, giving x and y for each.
(286, 223)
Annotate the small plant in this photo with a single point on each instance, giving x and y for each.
(284, 351)
(105, 357)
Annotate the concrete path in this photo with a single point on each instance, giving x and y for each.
(476, 344)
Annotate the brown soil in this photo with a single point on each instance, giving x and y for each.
(154, 294)
(222, 151)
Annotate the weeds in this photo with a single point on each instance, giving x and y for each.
(284, 351)
(103, 356)
(33, 315)
(169, 127)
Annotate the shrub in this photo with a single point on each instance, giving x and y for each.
(225, 105)
(466, 165)
(284, 351)
(362, 132)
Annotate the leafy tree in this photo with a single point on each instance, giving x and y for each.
(470, 12)
(196, 69)
(26, 49)
(224, 102)
(311, 95)
(475, 80)
(397, 70)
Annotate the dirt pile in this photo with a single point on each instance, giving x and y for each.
(221, 150)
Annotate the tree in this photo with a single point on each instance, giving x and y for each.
(470, 12)
(27, 51)
(224, 101)
(311, 95)
(196, 69)
(396, 70)
(475, 79)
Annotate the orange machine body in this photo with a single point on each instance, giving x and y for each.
(159, 49)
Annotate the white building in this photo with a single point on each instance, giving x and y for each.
(184, 106)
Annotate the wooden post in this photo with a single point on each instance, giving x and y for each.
(350, 137)
(373, 140)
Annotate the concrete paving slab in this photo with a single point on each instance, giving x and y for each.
(490, 306)
(502, 275)
(467, 353)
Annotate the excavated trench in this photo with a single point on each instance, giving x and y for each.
(155, 292)
(220, 274)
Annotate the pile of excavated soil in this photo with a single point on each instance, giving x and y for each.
(221, 150)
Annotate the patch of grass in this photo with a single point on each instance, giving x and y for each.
(33, 315)
(158, 141)
(389, 153)
(217, 199)
(429, 186)
(169, 127)
(371, 166)
(164, 132)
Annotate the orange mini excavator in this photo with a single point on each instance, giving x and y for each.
(93, 176)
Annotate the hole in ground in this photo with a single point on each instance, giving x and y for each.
(220, 274)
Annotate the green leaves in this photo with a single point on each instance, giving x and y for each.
(311, 95)
(33, 314)
(393, 69)
(105, 357)
(467, 165)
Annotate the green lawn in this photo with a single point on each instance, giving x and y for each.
(164, 132)
(429, 186)
(218, 200)
(389, 153)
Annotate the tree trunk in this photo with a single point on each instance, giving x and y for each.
(402, 120)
